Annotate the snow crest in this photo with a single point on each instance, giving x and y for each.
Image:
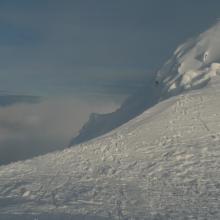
(193, 64)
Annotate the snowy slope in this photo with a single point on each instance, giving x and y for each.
(192, 65)
(163, 164)
(99, 124)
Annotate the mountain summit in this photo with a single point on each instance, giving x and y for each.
(193, 64)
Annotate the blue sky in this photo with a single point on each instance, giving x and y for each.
(60, 47)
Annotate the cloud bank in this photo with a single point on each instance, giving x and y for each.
(53, 46)
(27, 130)
(8, 100)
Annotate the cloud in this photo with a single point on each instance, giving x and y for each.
(64, 45)
(27, 130)
(7, 100)
(55, 46)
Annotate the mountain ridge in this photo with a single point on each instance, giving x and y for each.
(192, 66)
(162, 164)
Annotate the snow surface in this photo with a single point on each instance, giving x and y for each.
(163, 164)
(193, 64)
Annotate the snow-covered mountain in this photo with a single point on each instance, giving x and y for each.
(192, 65)
(163, 164)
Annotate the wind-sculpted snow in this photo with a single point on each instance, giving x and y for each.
(192, 66)
(163, 164)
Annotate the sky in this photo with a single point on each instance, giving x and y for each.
(83, 54)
